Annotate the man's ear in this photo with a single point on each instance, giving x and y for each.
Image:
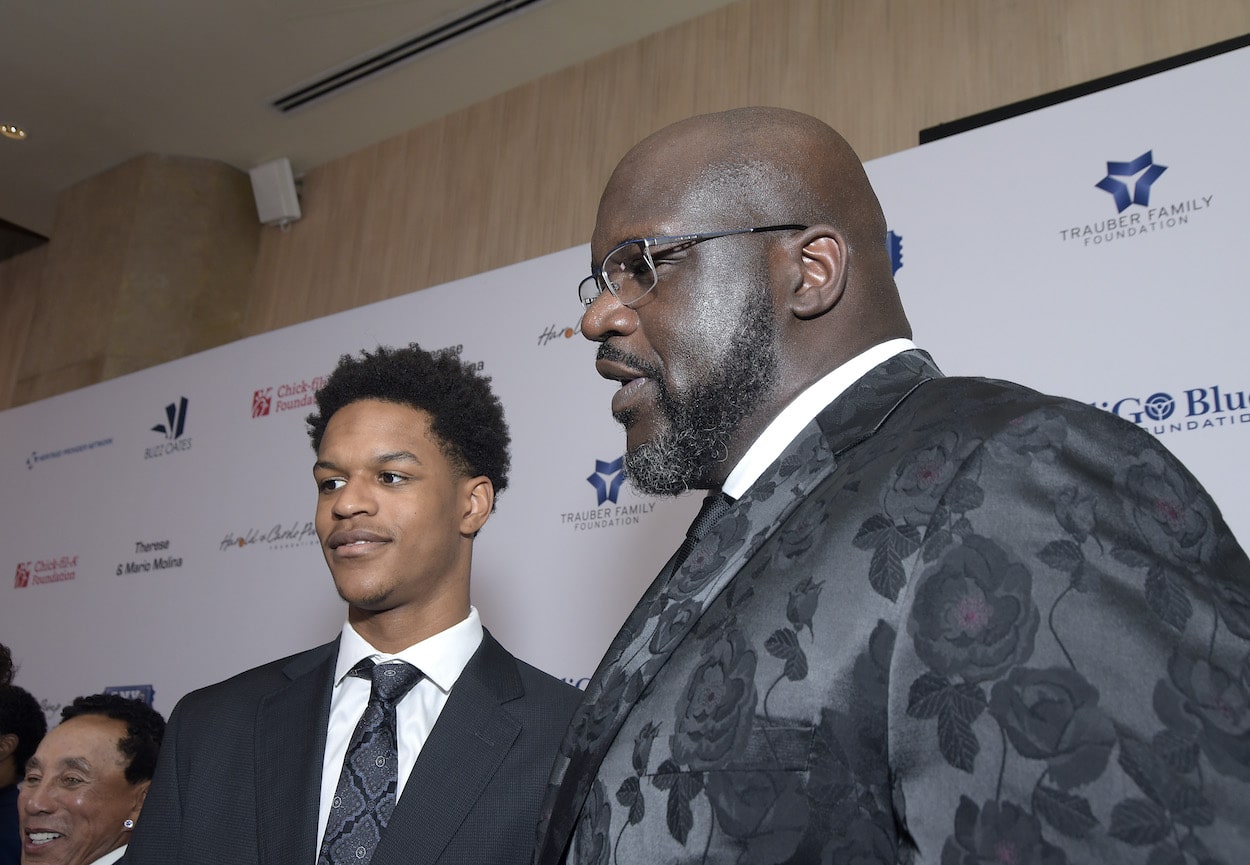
(479, 502)
(823, 270)
(8, 745)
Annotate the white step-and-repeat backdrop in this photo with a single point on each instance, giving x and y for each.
(157, 528)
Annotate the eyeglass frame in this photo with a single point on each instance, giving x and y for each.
(598, 278)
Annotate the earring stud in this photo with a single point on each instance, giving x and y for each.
(129, 824)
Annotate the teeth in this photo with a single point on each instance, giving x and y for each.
(43, 837)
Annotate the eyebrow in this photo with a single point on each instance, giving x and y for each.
(79, 763)
(380, 459)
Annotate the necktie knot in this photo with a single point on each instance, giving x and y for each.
(714, 507)
(391, 681)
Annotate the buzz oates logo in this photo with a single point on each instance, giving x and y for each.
(1132, 187)
(150, 556)
(41, 571)
(172, 429)
(287, 396)
(606, 480)
(1197, 408)
(276, 537)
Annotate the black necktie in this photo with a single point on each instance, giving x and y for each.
(714, 507)
(580, 772)
(365, 795)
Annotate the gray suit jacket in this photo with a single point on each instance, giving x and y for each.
(239, 776)
(957, 621)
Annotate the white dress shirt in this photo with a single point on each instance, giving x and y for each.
(112, 856)
(799, 413)
(441, 658)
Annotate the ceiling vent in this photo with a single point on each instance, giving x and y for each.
(380, 61)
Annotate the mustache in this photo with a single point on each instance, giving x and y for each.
(611, 353)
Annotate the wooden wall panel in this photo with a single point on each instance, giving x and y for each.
(519, 175)
(21, 279)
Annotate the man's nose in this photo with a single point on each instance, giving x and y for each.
(607, 316)
(353, 498)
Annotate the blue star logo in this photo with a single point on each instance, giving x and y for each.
(1120, 174)
(607, 479)
(894, 242)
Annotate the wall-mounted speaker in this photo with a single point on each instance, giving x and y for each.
(273, 186)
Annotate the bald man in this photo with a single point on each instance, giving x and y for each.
(921, 619)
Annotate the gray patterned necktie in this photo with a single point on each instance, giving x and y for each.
(365, 795)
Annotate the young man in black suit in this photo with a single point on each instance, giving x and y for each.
(305, 762)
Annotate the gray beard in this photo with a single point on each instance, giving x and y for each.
(696, 438)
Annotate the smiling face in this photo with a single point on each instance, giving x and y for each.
(396, 521)
(75, 796)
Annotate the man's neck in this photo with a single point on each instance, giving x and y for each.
(392, 631)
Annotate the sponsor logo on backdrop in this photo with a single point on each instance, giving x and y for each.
(43, 571)
(555, 331)
(608, 511)
(579, 682)
(607, 479)
(150, 556)
(173, 429)
(36, 457)
(52, 711)
(290, 395)
(300, 533)
(1196, 408)
(1139, 209)
(894, 243)
(146, 693)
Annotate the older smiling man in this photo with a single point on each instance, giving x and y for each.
(85, 785)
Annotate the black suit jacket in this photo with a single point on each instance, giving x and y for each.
(239, 777)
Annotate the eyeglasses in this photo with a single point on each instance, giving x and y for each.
(628, 270)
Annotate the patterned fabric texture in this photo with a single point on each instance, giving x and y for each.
(365, 795)
(956, 622)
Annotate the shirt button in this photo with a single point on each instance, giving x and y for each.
(361, 852)
(380, 762)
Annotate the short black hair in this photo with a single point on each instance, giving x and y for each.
(144, 729)
(465, 416)
(6, 665)
(21, 715)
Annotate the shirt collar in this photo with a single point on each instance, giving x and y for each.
(799, 413)
(441, 657)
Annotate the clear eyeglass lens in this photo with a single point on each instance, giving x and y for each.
(588, 290)
(630, 272)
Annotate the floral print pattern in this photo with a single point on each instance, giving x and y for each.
(954, 623)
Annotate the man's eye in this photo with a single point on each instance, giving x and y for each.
(329, 485)
(31, 780)
(636, 267)
(390, 477)
(71, 781)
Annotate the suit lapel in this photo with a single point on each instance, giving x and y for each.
(290, 747)
(635, 657)
(473, 734)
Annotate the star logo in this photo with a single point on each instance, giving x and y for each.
(894, 242)
(1120, 180)
(607, 479)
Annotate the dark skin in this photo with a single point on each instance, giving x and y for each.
(829, 287)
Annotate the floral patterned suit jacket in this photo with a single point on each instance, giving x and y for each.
(957, 621)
